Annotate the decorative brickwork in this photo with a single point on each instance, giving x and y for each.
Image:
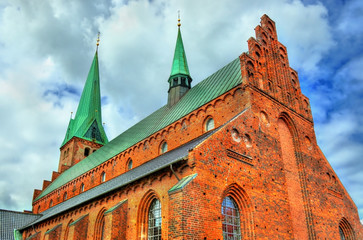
(260, 154)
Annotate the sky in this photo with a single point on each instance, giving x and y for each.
(46, 50)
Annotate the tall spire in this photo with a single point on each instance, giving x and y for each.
(179, 80)
(87, 123)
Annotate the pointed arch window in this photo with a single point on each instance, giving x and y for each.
(209, 124)
(103, 177)
(231, 222)
(341, 233)
(66, 232)
(129, 164)
(65, 196)
(82, 187)
(164, 147)
(154, 220)
(100, 225)
(345, 230)
(86, 151)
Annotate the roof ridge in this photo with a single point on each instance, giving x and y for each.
(218, 83)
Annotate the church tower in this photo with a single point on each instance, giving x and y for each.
(179, 80)
(85, 133)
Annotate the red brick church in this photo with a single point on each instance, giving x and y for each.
(233, 157)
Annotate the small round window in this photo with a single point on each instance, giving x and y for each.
(209, 124)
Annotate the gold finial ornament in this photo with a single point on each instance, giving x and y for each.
(179, 18)
(98, 39)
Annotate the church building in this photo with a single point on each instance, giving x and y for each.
(233, 157)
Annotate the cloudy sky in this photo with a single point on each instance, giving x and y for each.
(46, 48)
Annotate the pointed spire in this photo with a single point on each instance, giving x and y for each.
(180, 64)
(98, 41)
(87, 123)
(180, 79)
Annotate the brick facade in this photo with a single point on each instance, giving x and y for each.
(263, 155)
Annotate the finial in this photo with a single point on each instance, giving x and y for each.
(71, 114)
(179, 18)
(98, 39)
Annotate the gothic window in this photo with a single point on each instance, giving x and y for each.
(100, 226)
(129, 164)
(94, 131)
(66, 232)
(341, 233)
(231, 223)
(345, 230)
(51, 203)
(154, 220)
(86, 151)
(103, 177)
(164, 147)
(82, 187)
(209, 124)
(65, 196)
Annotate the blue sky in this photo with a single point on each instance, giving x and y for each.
(46, 49)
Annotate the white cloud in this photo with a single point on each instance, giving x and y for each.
(48, 49)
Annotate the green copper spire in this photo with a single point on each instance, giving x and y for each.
(180, 64)
(179, 80)
(87, 123)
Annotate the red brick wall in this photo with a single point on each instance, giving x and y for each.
(282, 183)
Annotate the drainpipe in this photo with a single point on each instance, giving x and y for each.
(171, 168)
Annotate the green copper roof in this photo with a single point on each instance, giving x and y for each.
(182, 183)
(115, 207)
(215, 85)
(87, 123)
(180, 64)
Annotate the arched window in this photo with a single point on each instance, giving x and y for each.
(154, 220)
(100, 225)
(86, 152)
(103, 176)
(82, 187)
(164, 147)
(65, 196)
(231, 222)
(129, 164)
(51, 203)
(341, 233)
(209, 124)
(345, 230)
(66, 232)
(236, 214)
